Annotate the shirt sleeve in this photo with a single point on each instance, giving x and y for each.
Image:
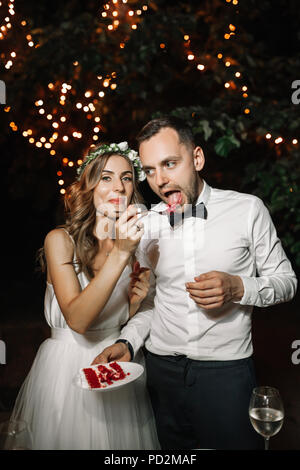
(138, 327)
(275, 281)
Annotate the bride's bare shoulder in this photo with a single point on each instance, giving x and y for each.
(58, 240)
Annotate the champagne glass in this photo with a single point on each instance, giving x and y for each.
(15, 435)
(266, 412)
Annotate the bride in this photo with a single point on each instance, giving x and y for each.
(89, 297)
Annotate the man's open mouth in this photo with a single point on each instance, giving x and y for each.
(174, 197)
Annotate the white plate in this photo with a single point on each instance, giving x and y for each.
(132, 368)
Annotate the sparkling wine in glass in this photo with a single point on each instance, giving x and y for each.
(15, 435)
(266, 412)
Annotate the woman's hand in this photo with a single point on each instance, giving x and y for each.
(138, 287)
(128, 231)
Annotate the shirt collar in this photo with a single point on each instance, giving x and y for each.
(204, 195)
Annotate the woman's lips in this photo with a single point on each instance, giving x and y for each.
(116, 201)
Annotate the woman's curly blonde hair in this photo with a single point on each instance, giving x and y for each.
(80, 213)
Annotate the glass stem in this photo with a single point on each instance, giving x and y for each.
(267, 439)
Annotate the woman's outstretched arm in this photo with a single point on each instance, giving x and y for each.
(81, 307)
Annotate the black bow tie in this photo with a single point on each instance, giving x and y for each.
(199, 210)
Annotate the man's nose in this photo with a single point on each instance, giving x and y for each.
(161, 178)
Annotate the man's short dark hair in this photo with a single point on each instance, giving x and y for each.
(153, 127)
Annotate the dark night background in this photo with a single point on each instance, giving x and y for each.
(153, 75)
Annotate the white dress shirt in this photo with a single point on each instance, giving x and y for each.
(237, 237)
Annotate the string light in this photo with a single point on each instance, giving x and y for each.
(113, 15)
(111, 11)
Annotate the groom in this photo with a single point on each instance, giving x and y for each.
(196, 323)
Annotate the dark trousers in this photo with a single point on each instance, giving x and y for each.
(202, 404)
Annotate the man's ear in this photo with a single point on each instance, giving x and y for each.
(199, 159)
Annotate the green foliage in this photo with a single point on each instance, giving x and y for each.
(154, 80)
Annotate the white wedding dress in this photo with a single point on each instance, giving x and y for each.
(63, 416)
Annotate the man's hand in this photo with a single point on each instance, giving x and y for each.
(115, 352)
(214, 289)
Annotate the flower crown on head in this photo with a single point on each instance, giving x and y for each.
(121, 149)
